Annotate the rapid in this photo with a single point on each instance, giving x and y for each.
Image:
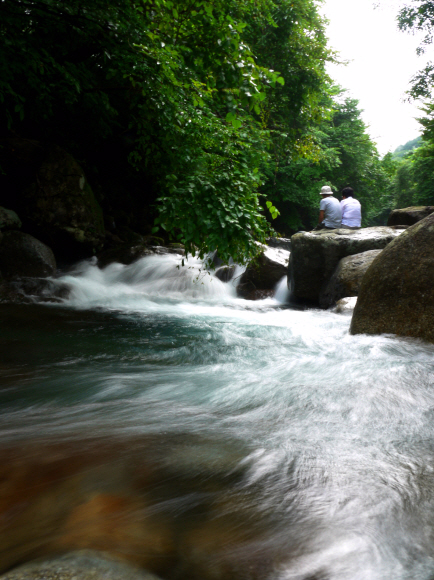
(251, 439)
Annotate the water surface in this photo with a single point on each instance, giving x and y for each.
(280, 447)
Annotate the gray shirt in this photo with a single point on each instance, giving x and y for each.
(332, 212)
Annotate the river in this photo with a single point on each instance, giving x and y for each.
(156, 415)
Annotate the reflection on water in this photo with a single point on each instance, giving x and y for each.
(158, 417)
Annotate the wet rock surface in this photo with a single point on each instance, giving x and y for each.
(315, 256)
(80, 565)
(225, 273)
(409, 215)
(347, 277)
(282, 243)
(264, 272)
(23, 255)
(259, 294)
(397, 291)
(128, 253)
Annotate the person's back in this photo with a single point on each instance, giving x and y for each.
(332, 212)
(351, 209)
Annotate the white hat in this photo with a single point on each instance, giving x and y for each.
(326, 190)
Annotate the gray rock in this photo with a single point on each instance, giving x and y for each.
(409, 215)
(39, 290)
(316, 254)
(129, 253)
(397, 291)
(9, 219)
(264, 271)
(259, 294)
(123, 254)
(345, 305)
(347, 277)
(282, 243)
(23, 255)
(225, 273)
(80, 565)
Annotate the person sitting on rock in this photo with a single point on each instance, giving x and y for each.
(351, 209)
(330, 213)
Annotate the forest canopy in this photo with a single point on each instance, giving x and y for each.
(211, 123)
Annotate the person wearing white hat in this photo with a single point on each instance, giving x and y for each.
(330, 213)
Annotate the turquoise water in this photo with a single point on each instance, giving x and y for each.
(326, 439)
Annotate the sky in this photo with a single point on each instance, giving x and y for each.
(382, 61)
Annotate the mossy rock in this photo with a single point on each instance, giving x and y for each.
(9, 219)
(61, 209)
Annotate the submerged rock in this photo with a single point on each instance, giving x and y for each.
(409, 215)
(397, 291)
(264, 271)
(347, 277)
(62, 497)
(80, 565)
(23, 255)
(316, 254)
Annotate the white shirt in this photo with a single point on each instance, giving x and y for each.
(351, 212)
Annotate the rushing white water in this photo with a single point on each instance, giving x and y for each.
(334, 433)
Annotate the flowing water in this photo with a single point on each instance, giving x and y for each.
(256, 441)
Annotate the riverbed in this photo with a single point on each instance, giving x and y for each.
(154, 415)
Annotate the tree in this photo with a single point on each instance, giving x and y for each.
(345, 156)
(419, 16)
(181, 85)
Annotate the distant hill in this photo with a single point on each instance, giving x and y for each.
(402, 150)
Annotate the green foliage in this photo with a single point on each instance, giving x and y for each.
(413, 183)
(344, 156)
(419, 16)
(206, 99)
(401, 151)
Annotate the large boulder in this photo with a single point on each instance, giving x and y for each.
(23, 255)
(59, 207)
(263, 273)
(397, 291)
(409, 215)
(316, 254)
(346, 279)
